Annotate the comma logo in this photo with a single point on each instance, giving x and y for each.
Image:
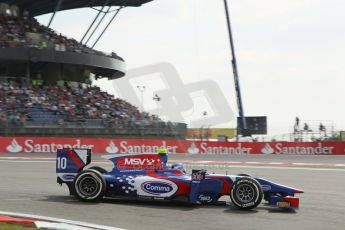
(14, 147)
(111, 148)
(156, 188)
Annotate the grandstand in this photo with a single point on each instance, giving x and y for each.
(45, 80)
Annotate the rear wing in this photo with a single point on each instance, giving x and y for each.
(71, 161)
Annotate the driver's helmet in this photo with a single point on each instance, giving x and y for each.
(179, 166)
(162, 151)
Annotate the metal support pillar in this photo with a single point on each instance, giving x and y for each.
(57, 8)
(99, 23)
(105, 29)
(245, 131)
(94, 20)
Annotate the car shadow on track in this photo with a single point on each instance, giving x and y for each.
(182, 206)
(64, 199)
(271, 209)
(261, 207)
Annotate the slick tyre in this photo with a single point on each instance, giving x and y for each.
(243, 174)
(99, 169)
(246, 193)
(89, 185)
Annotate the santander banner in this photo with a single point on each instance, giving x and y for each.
(26, 145)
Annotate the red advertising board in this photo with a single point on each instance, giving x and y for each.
(27, 145)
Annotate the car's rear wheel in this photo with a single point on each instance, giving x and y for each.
(99, 169)
(246, 193)
(89, 185)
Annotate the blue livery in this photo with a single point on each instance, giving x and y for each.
(149, 176)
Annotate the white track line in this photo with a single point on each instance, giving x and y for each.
(197, 162)
(220, 166)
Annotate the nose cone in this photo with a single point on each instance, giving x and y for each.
(297, 190)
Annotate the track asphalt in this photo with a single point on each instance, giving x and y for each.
(29, 186)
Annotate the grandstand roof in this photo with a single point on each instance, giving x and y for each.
(39, 7)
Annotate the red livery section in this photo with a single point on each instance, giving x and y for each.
(183, 187)
(294, 201)
(226, 183)
(74, 158)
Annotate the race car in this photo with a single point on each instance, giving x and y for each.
(149, 176)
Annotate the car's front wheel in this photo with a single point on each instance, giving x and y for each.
(89, 185)
(246, 193)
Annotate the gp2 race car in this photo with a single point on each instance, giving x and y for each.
(149, 176)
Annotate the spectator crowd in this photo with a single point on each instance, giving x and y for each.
(25, 31)
(66, 103)
(69, 104)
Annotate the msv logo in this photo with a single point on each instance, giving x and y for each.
(138, 161)
(156, 188)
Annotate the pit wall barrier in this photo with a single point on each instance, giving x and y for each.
(27, 145)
